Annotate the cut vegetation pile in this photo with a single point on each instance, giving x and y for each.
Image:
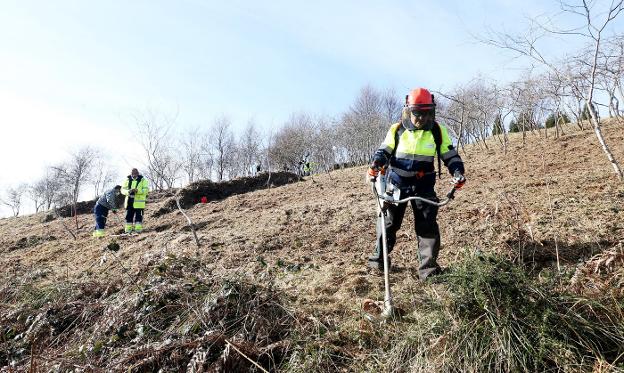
(211, 191)
(172, 316)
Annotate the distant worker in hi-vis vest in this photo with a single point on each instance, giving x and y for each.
(136, 189)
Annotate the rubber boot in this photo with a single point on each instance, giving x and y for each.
(128, 228)
(428, 249)
(376, 261)
(138, 227)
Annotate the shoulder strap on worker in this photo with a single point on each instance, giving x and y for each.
(397, 135)
(437, 138)
(138, 180)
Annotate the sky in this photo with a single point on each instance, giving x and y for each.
(72, 73)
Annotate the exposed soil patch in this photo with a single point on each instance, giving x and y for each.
(30, 241)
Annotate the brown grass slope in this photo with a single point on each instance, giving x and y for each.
(551, 199)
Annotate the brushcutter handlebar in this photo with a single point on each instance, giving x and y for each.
(387, 198)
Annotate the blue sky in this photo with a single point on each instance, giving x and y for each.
(71, 71)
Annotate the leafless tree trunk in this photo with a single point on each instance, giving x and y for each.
(76, 172)
(593, 31)
(293, 142)
(222, 142)
(391, 106)
(191, 153)
(13, 198)
(363, 127)
(188, 219)
(102, 178)
(36, 193)
(153, 133)
(249, 149)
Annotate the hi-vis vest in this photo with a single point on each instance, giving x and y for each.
(140, 184)
(414, 156)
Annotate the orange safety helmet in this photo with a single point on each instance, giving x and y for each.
(419, 99)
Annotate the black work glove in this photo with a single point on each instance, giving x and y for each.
(458, 179)
(373, 170)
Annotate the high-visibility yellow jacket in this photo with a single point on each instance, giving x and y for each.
(139, 198)
(412, 160)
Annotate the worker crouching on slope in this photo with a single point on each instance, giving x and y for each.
(408, 152)
(136, 189)
(108, 201)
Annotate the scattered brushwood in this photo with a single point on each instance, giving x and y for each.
(602, 274)
(494, 317)
(178, 317)
(319, 344)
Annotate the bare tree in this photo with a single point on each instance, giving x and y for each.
(468, 111)
(75, 173)
(322, 147)
(13, 198)
(455, 114)
(102, 178)
(594, 30)
(610, 73)
(554, 93)
(391, 106)
(191, 153)
(362, 128)
(36, 192)
(222, 141)
(153, 130)
(592, 27)
(206, 160)
(293, 142)
(249, 149)
(51, 185)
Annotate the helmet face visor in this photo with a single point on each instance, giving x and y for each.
(421, 118)
(420, 113)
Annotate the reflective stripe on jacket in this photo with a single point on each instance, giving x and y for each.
(141, 185)
(413, 161)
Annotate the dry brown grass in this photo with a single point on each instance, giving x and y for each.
(552, 198)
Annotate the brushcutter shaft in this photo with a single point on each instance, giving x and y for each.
(386, 198)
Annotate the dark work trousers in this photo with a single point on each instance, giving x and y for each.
(427, 230)
(101, 214)
(133, 215)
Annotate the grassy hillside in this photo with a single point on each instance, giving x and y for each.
(534, 243)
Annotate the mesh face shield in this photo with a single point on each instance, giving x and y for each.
(418, 119)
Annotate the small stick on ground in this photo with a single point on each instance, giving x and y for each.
(60, 219)
(190, 223)
(245, 356)
(552, 213)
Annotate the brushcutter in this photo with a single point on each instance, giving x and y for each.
(382, 197)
